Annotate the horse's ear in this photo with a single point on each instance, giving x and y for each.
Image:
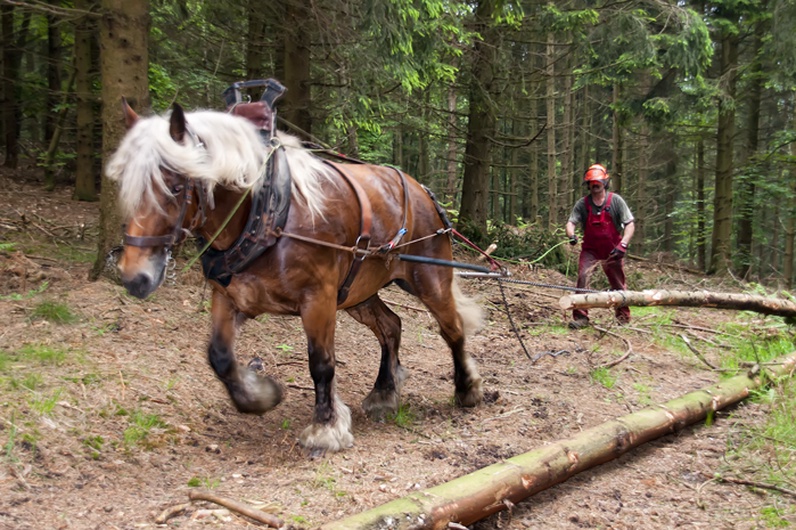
(130, 117)
(177, 123)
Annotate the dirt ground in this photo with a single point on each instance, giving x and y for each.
(123, 417)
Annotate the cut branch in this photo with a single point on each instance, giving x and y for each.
(472, 497)
(743, 302)
(238, 507)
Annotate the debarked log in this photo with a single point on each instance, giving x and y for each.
(739, 301)
(472, 497)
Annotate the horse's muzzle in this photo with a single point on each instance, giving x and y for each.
(141, 285)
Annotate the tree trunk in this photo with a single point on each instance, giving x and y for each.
(701, 240)
(54, 59)
(746, 193)
(124, 35)
(738, 301)
(790, 227)
(494, 488)
(12, 59)
(85, 177)
(480, 126)
(640, 208)
(721, 241)
(550, 100)
(567, 139)
(297, 99)
(255, 43)
(617, 169)
(452, 171)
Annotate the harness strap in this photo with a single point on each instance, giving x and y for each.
(365, 223)
(178, 234)
(385, 248)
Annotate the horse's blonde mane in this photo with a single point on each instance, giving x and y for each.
(220, 149)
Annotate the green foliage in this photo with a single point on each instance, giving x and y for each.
(54, 312)
(603, 376)
(404, 417)
(41, 353)
(528, 243)
(141, 427)
(30, 294)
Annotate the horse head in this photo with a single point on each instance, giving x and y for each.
(162, 206)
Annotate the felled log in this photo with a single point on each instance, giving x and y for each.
(742, 302)
(472, 497)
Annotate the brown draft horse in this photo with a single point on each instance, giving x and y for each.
(190, 171)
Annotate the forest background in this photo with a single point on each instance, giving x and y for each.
(497, 105)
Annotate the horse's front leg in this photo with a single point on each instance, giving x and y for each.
(250, 392)
(331, 422)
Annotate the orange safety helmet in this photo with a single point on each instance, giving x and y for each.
(597, 172)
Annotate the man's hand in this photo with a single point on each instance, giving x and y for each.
(573, 240)
(619, 251)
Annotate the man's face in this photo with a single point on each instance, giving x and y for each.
(596, 186)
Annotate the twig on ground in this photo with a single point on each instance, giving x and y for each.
(696, 352)
(174, 511)
(238, 507)
(760, 485)
(622, 358)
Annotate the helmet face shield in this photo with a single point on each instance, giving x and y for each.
(596, 173)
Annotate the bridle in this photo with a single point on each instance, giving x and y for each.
(178, 235)
(191, 192)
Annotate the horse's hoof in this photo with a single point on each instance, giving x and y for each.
(379, 404)
(255, 393)
(473, 397)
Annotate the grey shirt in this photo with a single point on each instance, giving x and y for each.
(620, 213)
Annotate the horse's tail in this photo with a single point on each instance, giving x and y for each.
(469, 310)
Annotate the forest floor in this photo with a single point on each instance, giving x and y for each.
(113, 415)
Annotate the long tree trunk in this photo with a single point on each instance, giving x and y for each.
(54, 66)
(297, 99)
(124, 36)
(721, 242)
(13, 44)
(746, 192)
(617, 164)
(452, 168)
(701, 240)
(740, 302)
(790, 227)
(550, 100)
(497, 487)
(567, 139)
(480, 125)
(85, 178)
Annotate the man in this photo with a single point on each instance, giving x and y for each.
(607, 229)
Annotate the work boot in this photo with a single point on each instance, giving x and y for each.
(579, 323)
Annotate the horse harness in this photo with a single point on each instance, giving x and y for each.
(270, 205)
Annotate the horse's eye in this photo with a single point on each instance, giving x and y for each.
(177, 188)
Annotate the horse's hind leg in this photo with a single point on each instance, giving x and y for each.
(386, 325)
(456, 315)
(250, 392)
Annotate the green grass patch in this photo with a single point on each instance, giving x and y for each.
(404, 417)
(203, 482)
(41, 353)
(141, 428)
(30, 294)
(44, 405)
(603, 376)
(54, 312)
(75, 255)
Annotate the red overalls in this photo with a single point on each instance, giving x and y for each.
(600, 236)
